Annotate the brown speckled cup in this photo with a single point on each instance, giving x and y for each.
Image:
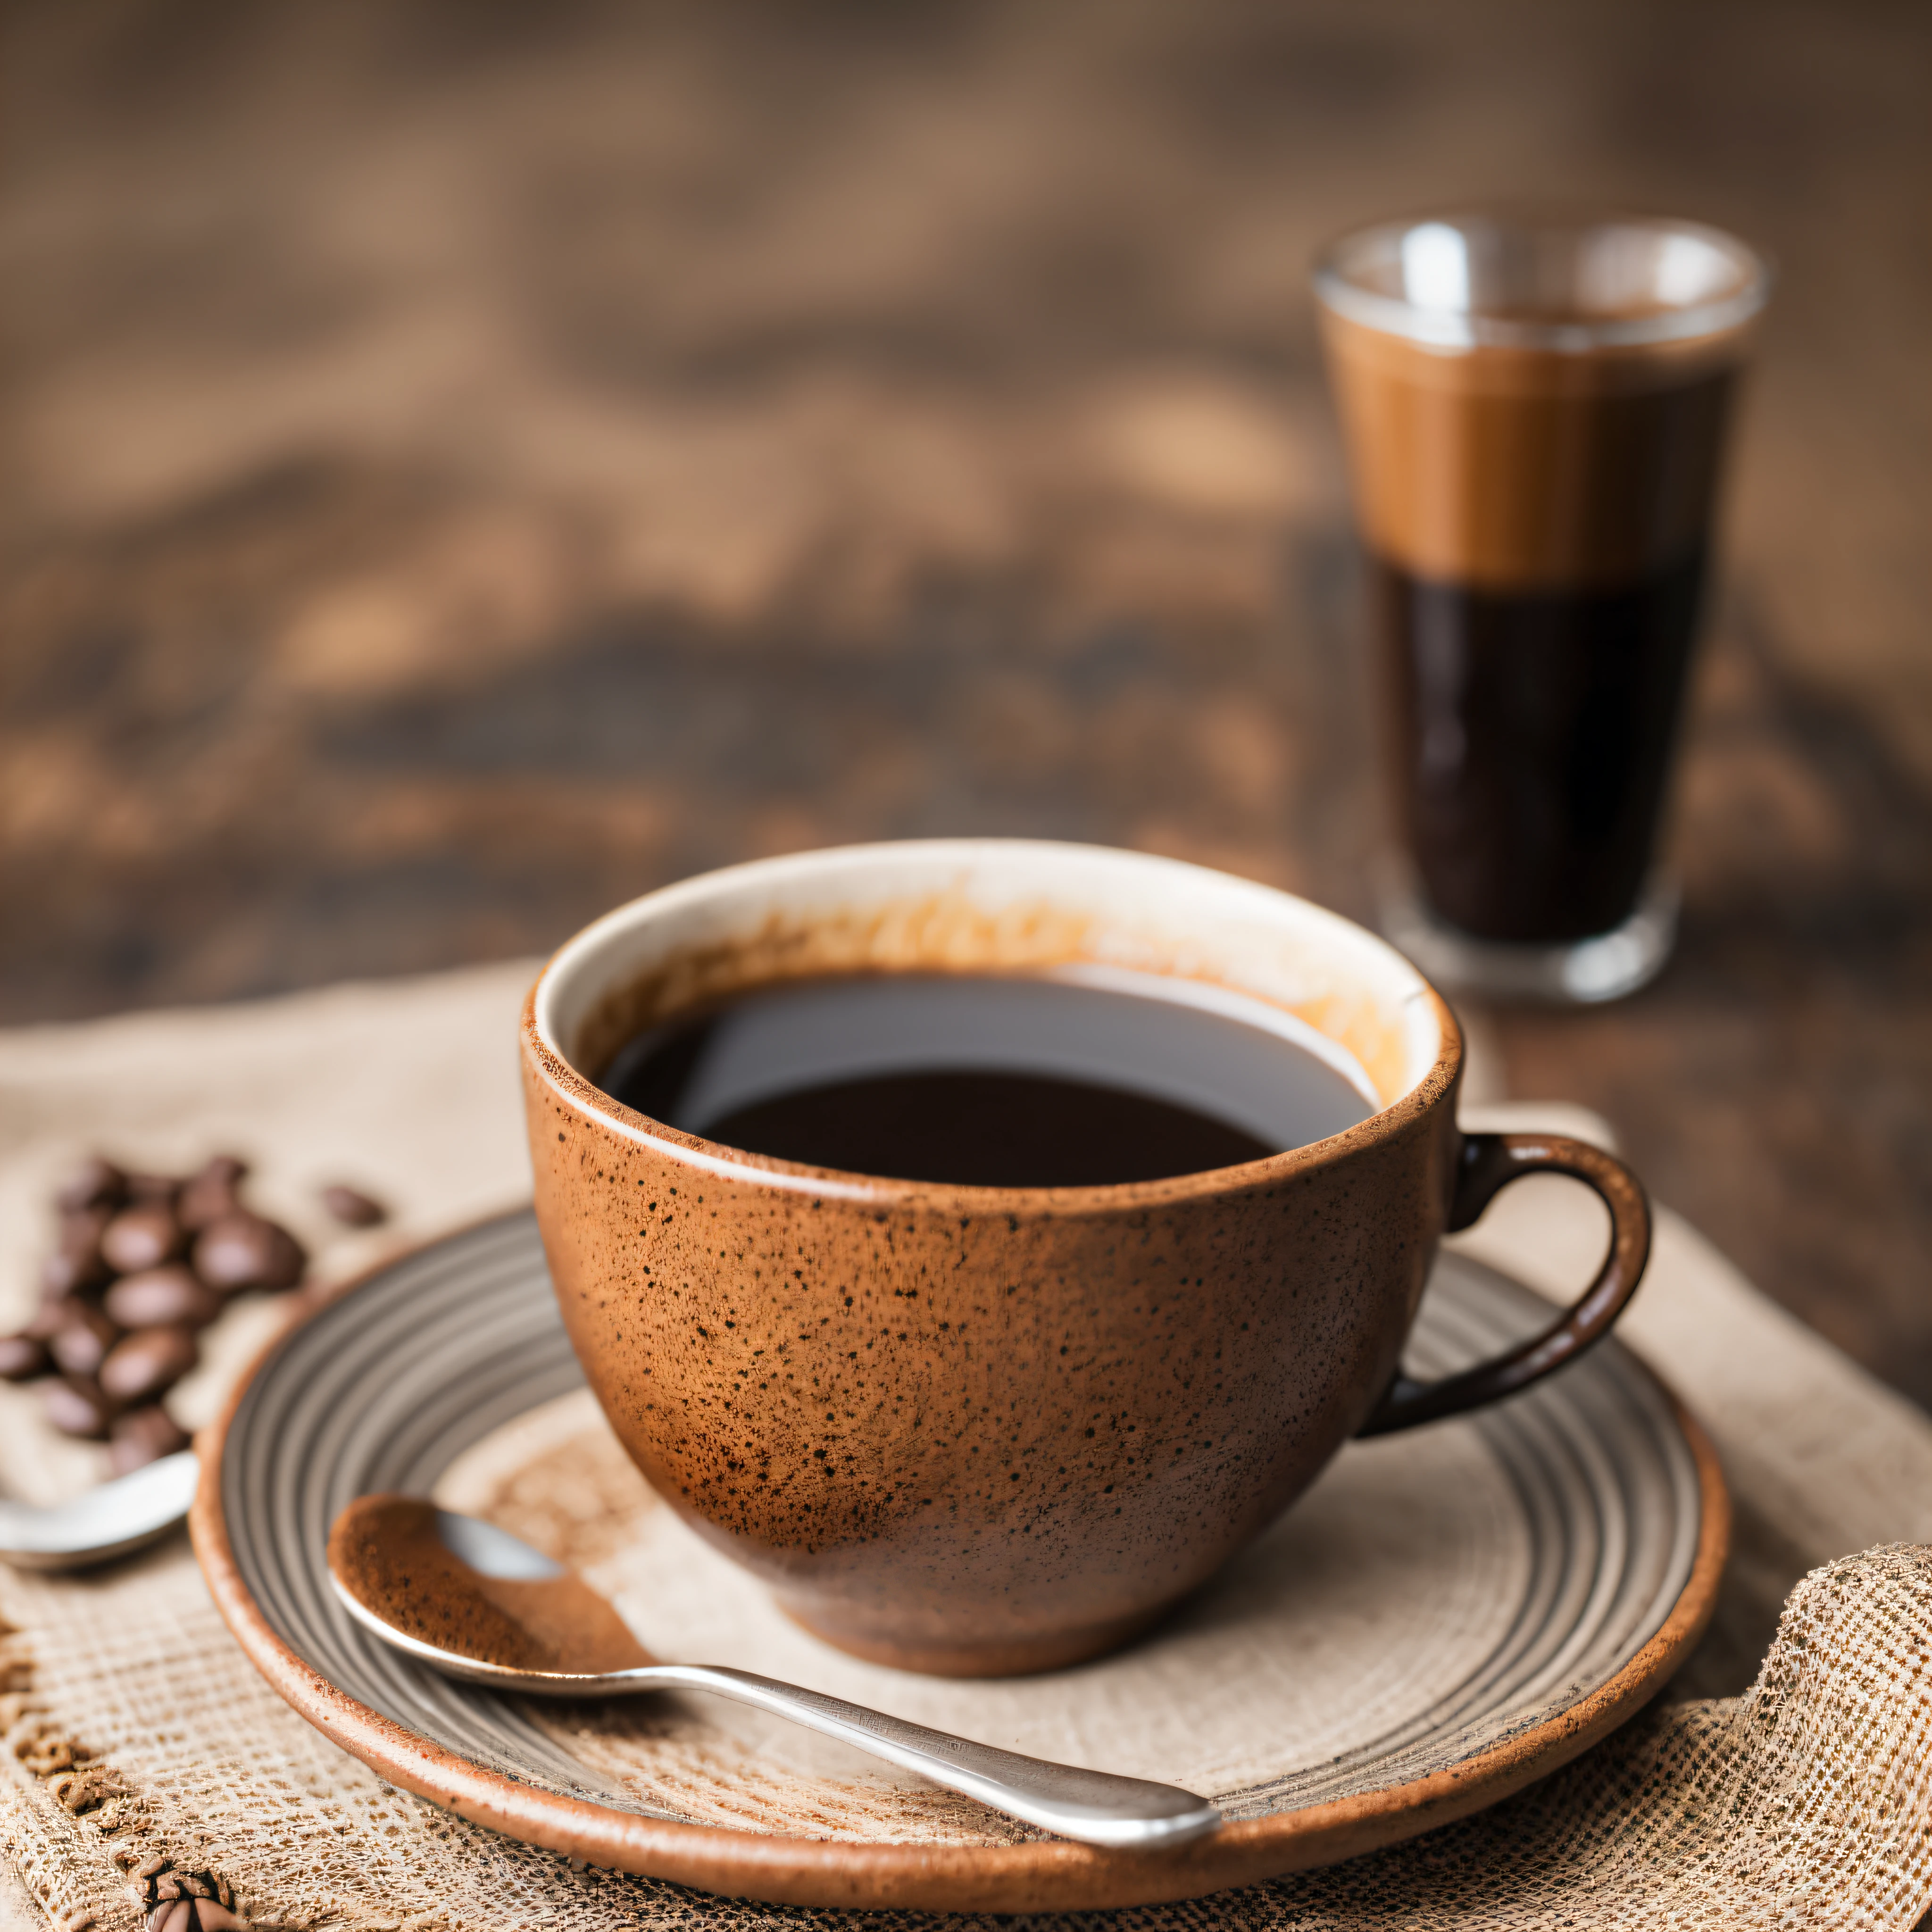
(981, 1430)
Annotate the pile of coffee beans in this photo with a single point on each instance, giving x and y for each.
(141, 1263)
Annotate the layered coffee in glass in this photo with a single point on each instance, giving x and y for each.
(1535, 410)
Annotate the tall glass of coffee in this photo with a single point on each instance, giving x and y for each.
(1534, 409)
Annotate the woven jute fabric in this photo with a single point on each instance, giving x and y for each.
(1783, 1781)
(1807, 1800)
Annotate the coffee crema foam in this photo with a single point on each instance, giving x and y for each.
(1504, 470)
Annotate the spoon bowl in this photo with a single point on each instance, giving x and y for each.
(474, 1602)
(107, 1521)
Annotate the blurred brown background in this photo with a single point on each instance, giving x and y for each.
(468, 464)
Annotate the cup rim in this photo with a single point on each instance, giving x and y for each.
(1449, 329)
(544, 1050)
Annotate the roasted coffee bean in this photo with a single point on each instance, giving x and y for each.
(94, 1183)
(211, 1194)
(353, 1208)
(77, 1406)
(157, 1882)
(76, 1261)
(175, 1915)
(140, 1366)
(162, 1187)
(211, 1915)
(22, 1358)
(241, 1250)
(141, 1237)
(160, 1296)
(81, 1343)
(141, 1436)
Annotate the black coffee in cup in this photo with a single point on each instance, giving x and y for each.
(994, 1080)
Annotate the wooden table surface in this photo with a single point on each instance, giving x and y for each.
(469, 464)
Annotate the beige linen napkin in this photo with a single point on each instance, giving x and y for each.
(1799, 1797)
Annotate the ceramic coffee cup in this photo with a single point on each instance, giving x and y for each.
(986, 1430)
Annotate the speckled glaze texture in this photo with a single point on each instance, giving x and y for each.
(973, 1430)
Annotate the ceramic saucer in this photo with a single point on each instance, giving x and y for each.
(1449, 1614)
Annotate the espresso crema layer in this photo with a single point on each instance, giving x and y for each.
(1510, 470)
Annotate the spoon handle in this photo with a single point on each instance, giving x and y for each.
(1095, 1807)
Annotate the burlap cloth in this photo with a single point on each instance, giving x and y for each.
(1785, 1780)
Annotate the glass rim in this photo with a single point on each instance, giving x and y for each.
(1449, 328)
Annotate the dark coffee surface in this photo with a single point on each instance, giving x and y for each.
(989, 1081)
(1530, 737)
(988, 1130)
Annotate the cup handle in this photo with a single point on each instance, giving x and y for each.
(1486, 1164)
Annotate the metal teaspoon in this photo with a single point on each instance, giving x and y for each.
(474, 1602)
(108, 1520)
